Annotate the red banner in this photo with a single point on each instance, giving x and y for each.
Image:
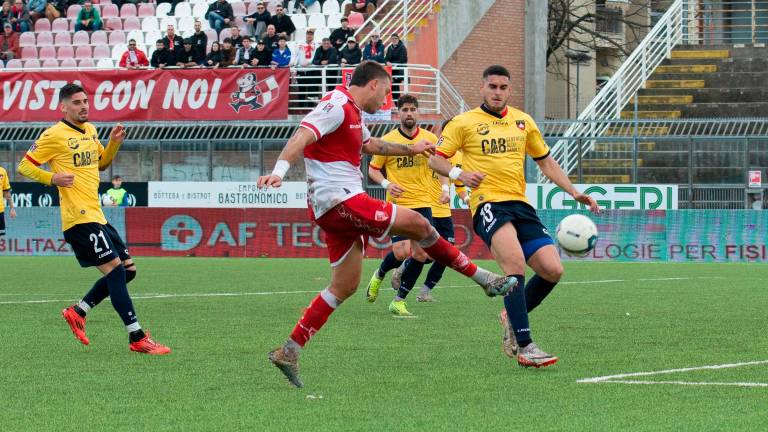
(151, 95)
(284, 233)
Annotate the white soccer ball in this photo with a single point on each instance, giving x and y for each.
(576, 235)
(106, 201)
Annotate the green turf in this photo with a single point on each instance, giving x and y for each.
(367, 371)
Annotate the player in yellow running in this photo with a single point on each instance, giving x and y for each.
(72, 149)
(5, 186)
(494, 140)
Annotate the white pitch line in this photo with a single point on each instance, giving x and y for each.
(165, 296)
(689, 383)
(616, 378)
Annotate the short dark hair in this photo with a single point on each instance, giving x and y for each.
(117, 177)
(407, 99)
(160, 41)
(68, 90)
(366, 72)
(496, 70)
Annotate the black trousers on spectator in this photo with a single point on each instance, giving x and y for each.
(397, 80)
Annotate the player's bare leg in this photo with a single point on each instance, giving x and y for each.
(411, 224)
(516, 342)
(344, 281)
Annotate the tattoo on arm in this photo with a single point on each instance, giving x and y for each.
(390, 149)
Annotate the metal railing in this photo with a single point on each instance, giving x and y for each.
(623, 85)
(396, 16)
(725, 22)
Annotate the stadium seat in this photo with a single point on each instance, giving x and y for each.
(334, 21)
(72, 24)
(331, 8)
(115, 37)
(356, 20)
(43, 38)
(14, 64)
(322, 33)
(315, 21)
(29, 53)
(300, 21)
(250, 8)
(315, 8)
(162, 10)
(62, 39)
(212, 36)
(146, 9)
(64, 52)
(32, 64)
(42, 25)
(165, 22)
(68, 63)
(118, 50)
(199, 10)
(271, 6)
(59, 25)
(111, 11)
(238, 8)
(186, 23)
(225, 33)
(105, 63)
(184, 9)
(102, 51)
(128, 10)
(47, 52)
(82, 38)
(137, 35)
(86, 63)
(115, 23)
(27, 39)
(50, 64)
(73, 10)
(300, 35)
(148, 24)
(150, 38)
(98, 37)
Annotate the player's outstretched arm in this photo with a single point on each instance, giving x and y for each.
(550, 168)
(292, 150)
(377, 146)
(394, 189)
(116, 138)
(444, 167)
(29, 170)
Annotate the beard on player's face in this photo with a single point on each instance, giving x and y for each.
(408, 122)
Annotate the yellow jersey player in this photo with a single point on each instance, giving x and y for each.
(5, 186)
(408, 180)
(72, 149)
(494, 140)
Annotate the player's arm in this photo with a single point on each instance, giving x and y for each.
(441, 165)
(445, 194)
(377, 146)
(377, 176)
(41, 152)
(292, 150)
(12, 211)
(116, 138)
(551, 169)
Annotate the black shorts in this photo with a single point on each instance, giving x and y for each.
(531, 233)
(2, 222)
(95, 244)
(444, 226)
(424, 211)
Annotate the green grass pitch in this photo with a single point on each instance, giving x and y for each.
(366, 370)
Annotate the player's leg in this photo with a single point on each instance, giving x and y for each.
(413, 225)
(400, 251)
(444, 226)
(344, 281)
(546, 263)
(411, 270)
(2, 222)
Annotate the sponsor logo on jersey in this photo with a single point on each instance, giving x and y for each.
(482, 129)
(520, 124)
(73, 144)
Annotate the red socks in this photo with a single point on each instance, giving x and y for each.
(447, 255)
(313, 319)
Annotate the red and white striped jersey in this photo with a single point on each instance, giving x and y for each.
(333, 161)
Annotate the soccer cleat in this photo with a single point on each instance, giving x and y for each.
(499, 285)
(76, 324)
(508, 341)
(397, 276)
(425, 297)
(147, 345)
(288, 365)
(372, 292)
(398, 308)
(532, 356)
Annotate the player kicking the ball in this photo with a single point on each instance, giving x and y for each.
(494, 139)
(72, 148)
(332, 138)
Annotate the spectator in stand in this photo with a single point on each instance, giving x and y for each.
(219, 15)
(55, 9)
(88, 19)
(227, 53)
(305, 51)
(306, 80)
(396, 53)
(36, 9)
(340, 36)
(172, 2)
(326, 54)
(244, 54)
(18, 16)
(365, 7)
(300, 5)
(200, 42)
(9, 44)
(374, 49)
(213, 59)
(162, 57)
(173, 43)
(187, 58)
(5, 13)
(258, 21)
(351, 54)
(234, 34)
(283, 23)
(133, 58)
(270, 37)
(262, 56)
(281, 57)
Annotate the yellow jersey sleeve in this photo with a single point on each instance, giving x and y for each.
(378, 161)
(6, 185)
(44, 149)
(535, 145)
(451, 140)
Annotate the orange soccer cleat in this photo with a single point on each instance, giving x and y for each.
(76, 324)
(147, 345)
